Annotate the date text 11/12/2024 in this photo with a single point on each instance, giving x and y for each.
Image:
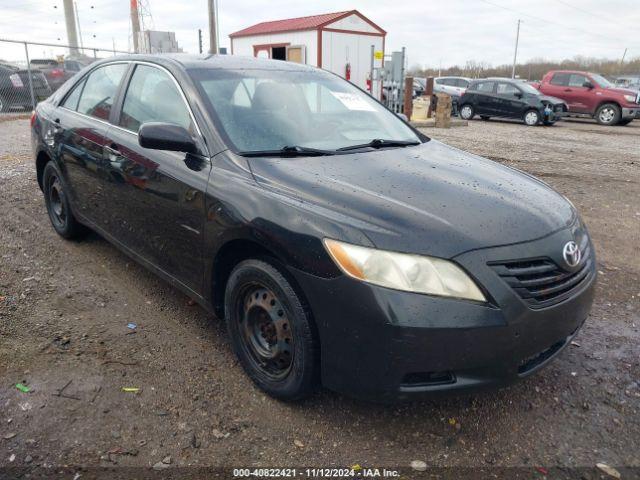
(353, 472)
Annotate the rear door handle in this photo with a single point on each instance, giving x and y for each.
(568, 90)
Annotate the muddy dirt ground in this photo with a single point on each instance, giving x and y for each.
(65, 306)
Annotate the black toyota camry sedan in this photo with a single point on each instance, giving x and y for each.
(342, 247)
(510, 99)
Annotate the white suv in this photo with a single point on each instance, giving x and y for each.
(454, 86)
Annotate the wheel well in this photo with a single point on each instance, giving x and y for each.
(613, 102)
(41, 161)
(230, 255)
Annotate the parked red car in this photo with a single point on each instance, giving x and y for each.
(590, 94)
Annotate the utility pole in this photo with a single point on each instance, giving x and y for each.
(515, 54)
(135, 25)
(213, 31)
(75, 7)
(622, 61)
(70, 20)
(200, 40)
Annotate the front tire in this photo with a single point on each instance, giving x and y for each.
(58, 207)
(271, 332)
(467, 112)
(608, 114)
(532, 118)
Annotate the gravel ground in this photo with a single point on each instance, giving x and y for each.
(64, 309)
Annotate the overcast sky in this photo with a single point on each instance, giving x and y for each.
(435, 32)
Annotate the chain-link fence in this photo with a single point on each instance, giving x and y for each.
(31, 71)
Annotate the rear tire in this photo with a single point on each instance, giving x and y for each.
(58, 207)
(608, 114)
(467, 112)
(271, 332)
(532, 118)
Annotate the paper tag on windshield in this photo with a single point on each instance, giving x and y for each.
(353, 102)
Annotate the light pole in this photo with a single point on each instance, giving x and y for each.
(515, 54)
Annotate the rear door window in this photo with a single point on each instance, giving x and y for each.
(507, 89)
(100, 90)
(485, 87)
(71, 102)
(153, 96)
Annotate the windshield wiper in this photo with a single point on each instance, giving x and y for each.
(381, 143)
(288, 151)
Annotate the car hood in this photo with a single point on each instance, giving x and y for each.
(430, 199)
(623, 91)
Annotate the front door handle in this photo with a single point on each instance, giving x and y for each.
(568, 90)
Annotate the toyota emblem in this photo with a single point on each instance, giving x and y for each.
(571, 254)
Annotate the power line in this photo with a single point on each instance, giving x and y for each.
(547, 21)
(587, 12)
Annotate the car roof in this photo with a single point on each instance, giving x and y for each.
(231, 62)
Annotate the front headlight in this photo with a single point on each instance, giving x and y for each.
(630, 98)
(401, 271)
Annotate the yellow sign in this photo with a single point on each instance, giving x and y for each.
(378, 54)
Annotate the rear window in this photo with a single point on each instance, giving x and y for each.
(37, 61)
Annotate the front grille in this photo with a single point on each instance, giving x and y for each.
(541, 282)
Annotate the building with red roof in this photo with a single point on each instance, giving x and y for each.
(340, 42)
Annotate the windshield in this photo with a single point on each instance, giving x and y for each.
(600, 80)
(261, 110)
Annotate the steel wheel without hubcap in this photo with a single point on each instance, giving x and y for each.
(265, 332)
(56, 204)
(531, 118)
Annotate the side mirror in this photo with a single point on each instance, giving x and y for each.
(588, 85)
(166, 136)
(518, 94)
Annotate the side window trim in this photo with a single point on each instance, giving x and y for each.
(83, 80)
(116, 110)
(126, 78)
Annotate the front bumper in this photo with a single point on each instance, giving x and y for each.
(555, 114)
(384, 345)
(630, 113)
